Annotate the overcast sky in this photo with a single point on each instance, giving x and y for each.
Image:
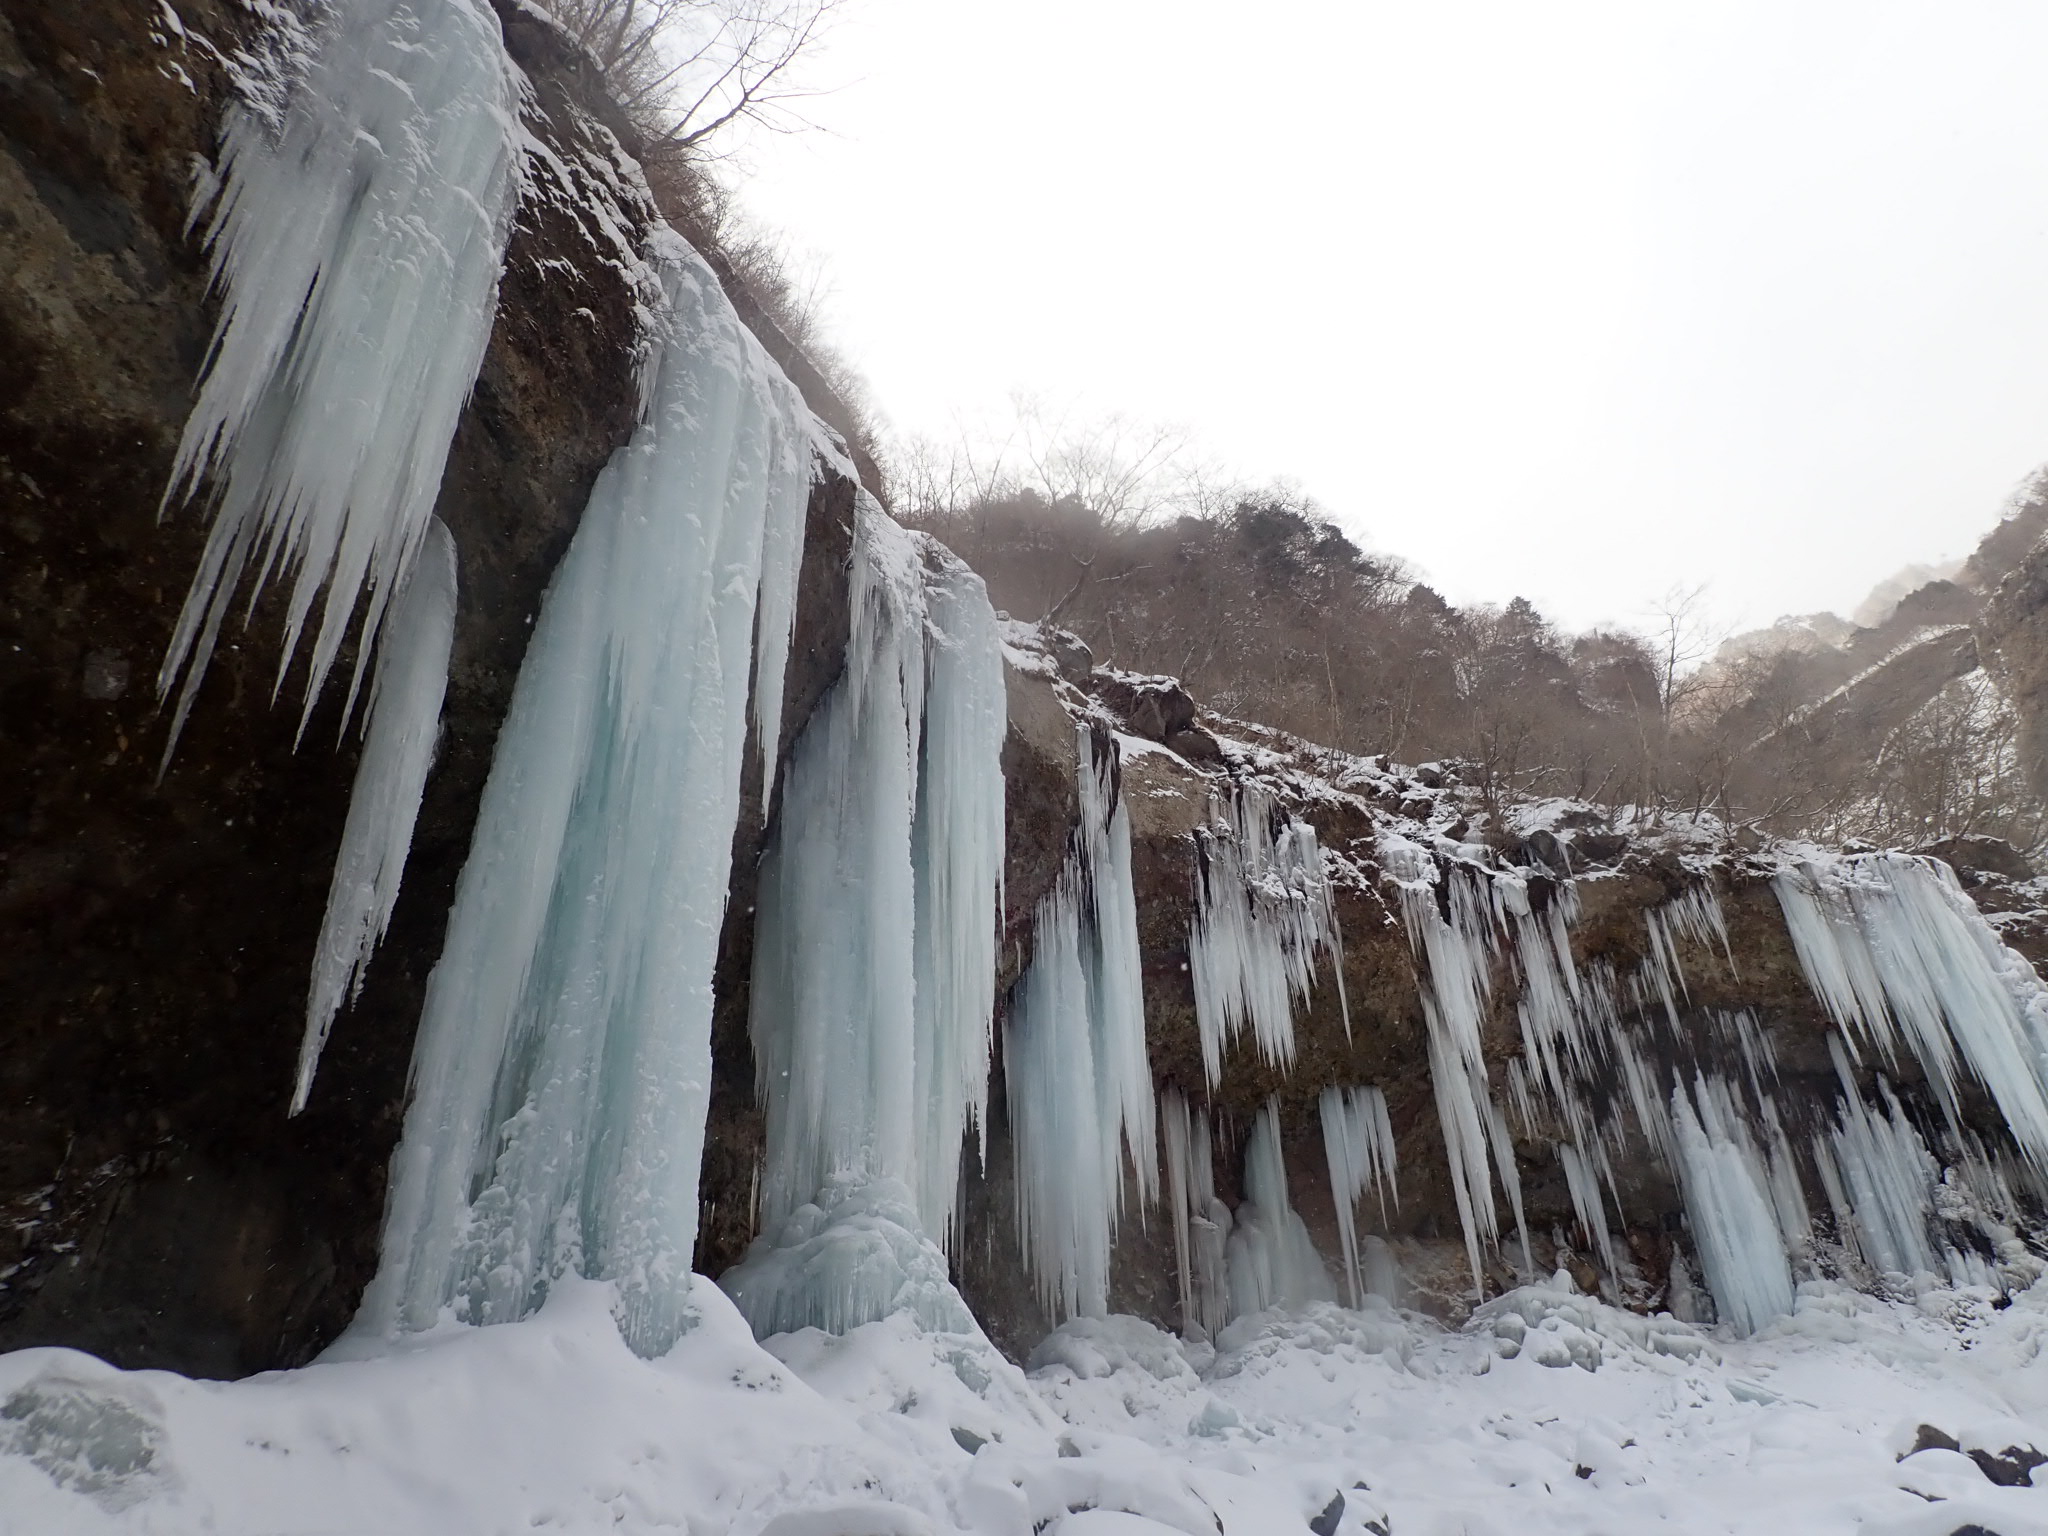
(1578, 301)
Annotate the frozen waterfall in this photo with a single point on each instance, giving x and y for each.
(1741, 1246)
(1273, 1262)
(562, 1064)
(1893, 948)
(357, 231)
(402, 725)
(874, 950)
(1078, 1079)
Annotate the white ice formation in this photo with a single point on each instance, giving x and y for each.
(401, 726)
(1615, 1065)
(1264, 917)
(563, 1059)
(1079, 1084)
(874, 947)
(1273, 1261)
(357, 231)
(1457, 940)
(1358, 1143)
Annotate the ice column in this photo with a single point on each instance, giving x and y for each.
(874, 953)
(1201, 1222)
(356, 236)
(1264, 915)
(1078, 1080)
(1273, 1262)
(833, 1019)
(561, 1068)
(402, 726)
(1733, 1220)
(1358, 1142)
(957, 849)
(1892, 946)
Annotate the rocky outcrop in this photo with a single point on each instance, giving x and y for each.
(2015, 629)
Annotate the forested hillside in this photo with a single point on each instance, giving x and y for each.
(1902, 732)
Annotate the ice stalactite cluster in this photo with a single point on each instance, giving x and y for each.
(357, 230)
(1273, 1261)
(563, 1058)
(1897, 954)
(1264, 918)
(1201, 1221)
(1358, 1143)
(1617, 1065)
(402, 724)
(1457, 940)
(874, 944)
(1079, 1085)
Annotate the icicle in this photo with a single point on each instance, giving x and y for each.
(1892, 946)
(833, 1011)
(874, 950)
(356, 245)
(1264, 914)
(1201, 1222)
(1177, 1130)
(1078, 1079)
(402, 725)
(563, 1057)
(1358, 1141)
(957, 849)
(1884, 1179)
(1733, 1221)
(1583, 1185)
(1455, 988)
(1273, 1262)
(1694, 915)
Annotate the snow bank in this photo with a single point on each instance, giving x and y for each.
(1551, 1414)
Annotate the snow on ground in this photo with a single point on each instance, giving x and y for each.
(1549, 1413)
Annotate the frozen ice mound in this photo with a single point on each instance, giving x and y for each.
(105, 1441)
(854, 1255)
(1088, 1348)
(1557, 1325)
(1322, 1328)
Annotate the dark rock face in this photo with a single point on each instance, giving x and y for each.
(1974, 855)
(1156, 708)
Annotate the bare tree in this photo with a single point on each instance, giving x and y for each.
(686, 70)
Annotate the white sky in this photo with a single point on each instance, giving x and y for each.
(1576, 300)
